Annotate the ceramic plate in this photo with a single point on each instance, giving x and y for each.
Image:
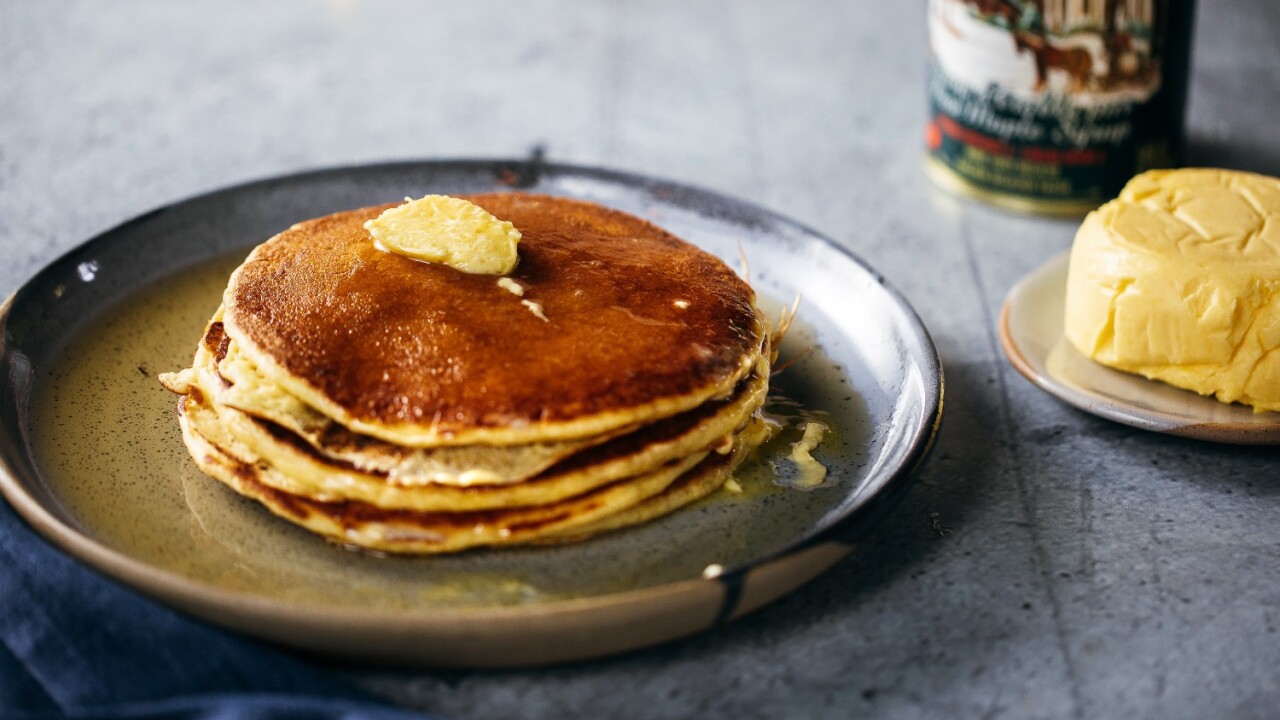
(1032, 335)
(92, 457)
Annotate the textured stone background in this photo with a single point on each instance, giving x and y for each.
(1090, 570)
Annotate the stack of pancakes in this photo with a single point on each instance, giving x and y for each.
(404, 406)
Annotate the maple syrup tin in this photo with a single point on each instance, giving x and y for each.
(1050, 106)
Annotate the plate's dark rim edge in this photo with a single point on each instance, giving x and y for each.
(1106, 408)
(846, 530)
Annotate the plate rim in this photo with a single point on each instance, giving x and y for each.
(169, 584)
(1037, 372)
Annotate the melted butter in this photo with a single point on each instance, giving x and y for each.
(517, 289)
(511, 286)
(536, 309)
(450, 231)
(794, 423)
(801, 431)
(809, 472)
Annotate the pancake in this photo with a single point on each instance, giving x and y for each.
(381, 402)
(301, 470)
(638, 325)
(350, 522)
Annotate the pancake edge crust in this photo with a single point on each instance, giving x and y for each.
(298, 470)
(357, 525)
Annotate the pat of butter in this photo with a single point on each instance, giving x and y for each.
(1178, 280)
(449, 231)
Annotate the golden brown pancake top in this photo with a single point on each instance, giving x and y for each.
(634, 316)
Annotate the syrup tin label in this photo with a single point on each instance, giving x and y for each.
(1055, 103)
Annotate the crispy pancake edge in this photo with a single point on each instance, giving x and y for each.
(355, 524)
(302, 472)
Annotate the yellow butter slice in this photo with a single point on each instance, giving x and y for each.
(450, 231)
(1178, 280)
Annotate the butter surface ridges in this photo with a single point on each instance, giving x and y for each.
(1178, 280)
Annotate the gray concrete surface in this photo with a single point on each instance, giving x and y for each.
(1088, 570)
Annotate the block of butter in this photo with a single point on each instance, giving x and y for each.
(1178, 280)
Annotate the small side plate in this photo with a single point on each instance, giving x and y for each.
(1031, 334)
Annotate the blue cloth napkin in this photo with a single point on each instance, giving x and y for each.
(76, 645)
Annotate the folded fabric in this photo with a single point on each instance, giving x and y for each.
(76, 645)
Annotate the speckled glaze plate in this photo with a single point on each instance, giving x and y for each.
(91, 456)
(1031, 332)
